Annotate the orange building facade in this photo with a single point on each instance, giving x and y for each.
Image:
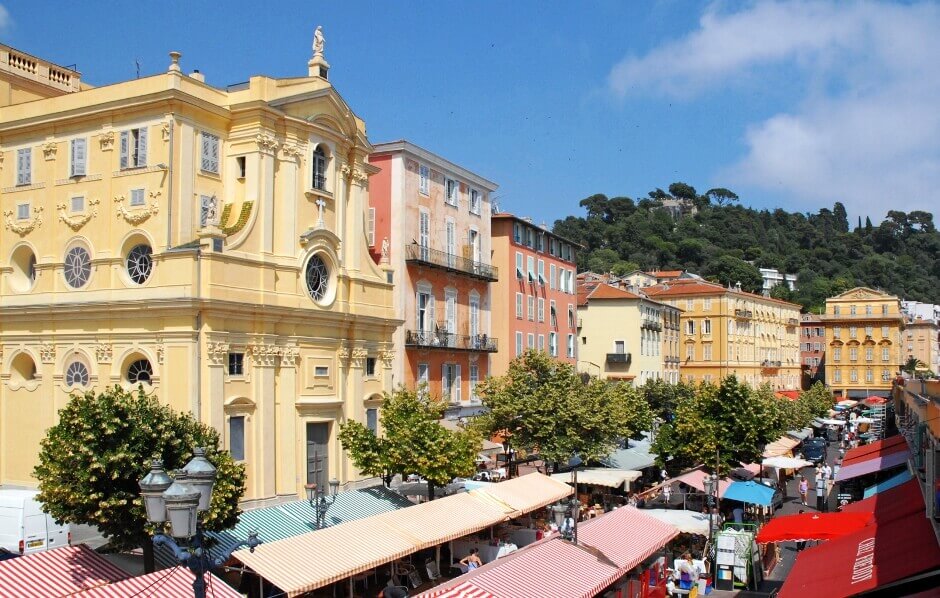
(429, 226)
(535, 299)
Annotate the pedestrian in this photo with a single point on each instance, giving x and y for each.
(801, 544)
(472, 561)
(667, 493)
(804, 488)
(827, 473)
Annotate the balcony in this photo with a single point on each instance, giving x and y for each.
(425, 256)
(449, 341)
(651, 325)
(793, 322)
(618, 358)
(673, 360)
(770, 367)
(743, 314)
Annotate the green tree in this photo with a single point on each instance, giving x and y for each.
(682, 191)
(91, 461)
(719, 427)
(663, 397)
(547, 408)
(817, 400)
(729, 270)
(602, 260)
(622, 268)
(721, 196)
(414, 441)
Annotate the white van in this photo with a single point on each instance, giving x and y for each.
(24, 528)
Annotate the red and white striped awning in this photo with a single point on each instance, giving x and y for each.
(608, 547)
(56, 573)
(169, 583)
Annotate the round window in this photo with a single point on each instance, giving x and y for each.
(76, 374)
(318, 278)
(139, 371)
(140, 263)
(77, 267)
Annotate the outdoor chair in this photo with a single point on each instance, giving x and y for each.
(431, 567)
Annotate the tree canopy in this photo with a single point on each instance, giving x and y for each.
(547, 408)
(91, 461)
(727, 242)
(413, 441)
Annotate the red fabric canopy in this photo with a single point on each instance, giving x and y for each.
(872, 557)
(55, 573)
(880, 448)
(169, 582)
(873, 400)
(812, 526)
(891, 505)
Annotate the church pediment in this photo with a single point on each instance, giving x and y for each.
(862, 293)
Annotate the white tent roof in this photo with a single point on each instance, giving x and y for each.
(687, 522)
(601, 476)
(783, 462)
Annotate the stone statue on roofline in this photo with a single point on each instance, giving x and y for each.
(318, 41)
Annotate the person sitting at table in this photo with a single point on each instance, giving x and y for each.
(472, 561)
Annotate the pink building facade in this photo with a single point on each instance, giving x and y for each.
(429, 224)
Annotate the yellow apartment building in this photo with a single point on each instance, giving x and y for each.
(863, 342)
(625, 336)
(726, 331)
(207, 243)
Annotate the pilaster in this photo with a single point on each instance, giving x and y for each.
(264, 359)
(288, 480)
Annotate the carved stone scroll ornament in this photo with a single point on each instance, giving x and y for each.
(47, 353)
(264, 354)
(137, 215)
(217, 353)
(49, 150)
(294, 152)
(266, 143)
(358, 357)
(106, 141)
(26, 226)
(104, 353)
(80, 220)
(290, 356)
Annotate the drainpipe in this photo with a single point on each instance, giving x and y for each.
(169, 190)
(197, 375)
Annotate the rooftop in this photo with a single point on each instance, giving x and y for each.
(688, 287)
(422, 154)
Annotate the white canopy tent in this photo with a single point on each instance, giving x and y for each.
(601, 476)
(783, 462)
(687, 522)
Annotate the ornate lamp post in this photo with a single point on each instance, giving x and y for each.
(319, 500)
(177, 502)
(711, 490)
(507, 449)
(564, 509)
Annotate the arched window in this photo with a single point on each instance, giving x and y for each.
(140, 263)
(319, 168)
(77, 267)
(76, 374)
(139, 371)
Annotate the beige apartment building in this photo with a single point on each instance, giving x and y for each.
(863, 342)
(726, 331)
(206, 243)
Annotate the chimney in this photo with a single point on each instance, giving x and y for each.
(198, 76)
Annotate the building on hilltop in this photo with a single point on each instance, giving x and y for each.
(208, 244)
(534, 300)
(812, 349)
(626, 336)
(863, 342)
(772, 277)
(727, 331)
(430, 222)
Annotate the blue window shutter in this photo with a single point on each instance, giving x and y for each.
(124, 148)
(142, 147)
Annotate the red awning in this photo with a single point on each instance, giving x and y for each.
(812, 526)
(56, 573)
(696, 479)
(874, 556)
(873, 400)
(879, 448)
(608, 547)
(170, 582)
(891, 505)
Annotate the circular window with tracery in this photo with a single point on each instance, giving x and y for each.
(77, 267)
(318, 278)
(140, 263)
(139, 371)
(76, 374)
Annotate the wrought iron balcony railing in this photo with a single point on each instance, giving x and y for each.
(618, 358)
(743, 313)
(651, 325)
(441, 339)
(418, 254)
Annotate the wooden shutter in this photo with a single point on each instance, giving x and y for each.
(142, 147)
(214, 153)
(370, 227)
(445, 383)
(78, 157)
(205, 162)
(456, 392)
(24, 159)
(125, 146)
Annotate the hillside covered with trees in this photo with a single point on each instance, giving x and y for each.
(726, 242)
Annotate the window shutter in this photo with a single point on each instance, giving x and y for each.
(142, 147)
(206, 163)
(456, 393)
(79, 155)
(432, 322)
(370, 227)
(124, 148)
(23, 160)
(214, 154)
(445, 387)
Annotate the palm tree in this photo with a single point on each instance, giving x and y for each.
(912, 365)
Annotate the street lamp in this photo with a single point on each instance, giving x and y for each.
(319, 501)
(178, 501)
(569, 508)
(711, 489)
(507, 450)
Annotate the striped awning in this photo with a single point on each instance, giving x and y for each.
(56, 573)
(780, 447)
(601, 476)
(608, 547)
(438, 521)
(177, 582)
(527, 493)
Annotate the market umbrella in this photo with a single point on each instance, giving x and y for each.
(875, 400)
(783, 462)
(750, 492)
(812, 526)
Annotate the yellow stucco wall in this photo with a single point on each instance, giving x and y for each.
(235, 284)
(863, 341)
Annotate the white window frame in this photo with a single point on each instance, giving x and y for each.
(423, 377)
(706, 326)
(572, 318)
(690, 327)
(519, 306)
(571, 346)
(707, 352)
(530, 340)
(450, 310)
(209, 152)
(475, 201)
(519, 345)
(24, 166)
(553, 344)
(541, 342)
(370, 227)
(424, 178)
(134, 148)
(530, 267)
(424, 233)
(541, 309)
(22, 211)
(520, 274)
(78, 157)
(451, 192)
(530, 308)
(541, 272)
(474, 379)
(551, 276)
(77, 204)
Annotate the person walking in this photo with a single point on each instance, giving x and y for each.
(667, 493)
(827, 475)
(804, 489)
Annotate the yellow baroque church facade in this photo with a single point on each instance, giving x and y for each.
(208, 244)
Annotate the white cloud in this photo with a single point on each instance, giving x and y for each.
(867, 132)
(5, 19)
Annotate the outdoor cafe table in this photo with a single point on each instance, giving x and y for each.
(488, 552)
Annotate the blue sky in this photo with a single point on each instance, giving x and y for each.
(791, 104)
